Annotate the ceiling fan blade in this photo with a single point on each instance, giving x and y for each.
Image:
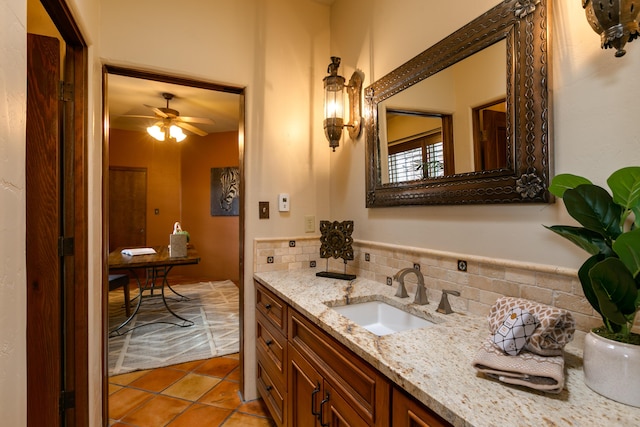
(135, 116)
(201, 120)
(191, 128)
(156, 110)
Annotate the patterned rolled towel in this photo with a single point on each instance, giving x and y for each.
(544, 373)
(555, 330)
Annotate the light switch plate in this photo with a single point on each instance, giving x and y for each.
(309, 223)
(264, 210)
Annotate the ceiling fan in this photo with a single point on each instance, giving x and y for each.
(170, 123)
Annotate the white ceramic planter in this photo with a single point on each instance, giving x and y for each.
(612, 369)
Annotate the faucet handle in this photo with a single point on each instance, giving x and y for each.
(444, 306)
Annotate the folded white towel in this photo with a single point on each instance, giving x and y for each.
(138, 251)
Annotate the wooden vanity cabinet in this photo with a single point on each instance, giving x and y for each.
(309, 379)
(271, 352)
(330, 382)
(408, 412)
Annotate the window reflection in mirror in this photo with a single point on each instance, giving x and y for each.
(478, 80)
(419, 146)
(490, 136)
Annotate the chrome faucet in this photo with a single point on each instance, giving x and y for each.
(421, 292)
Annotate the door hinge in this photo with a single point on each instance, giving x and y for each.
(66, 91)
(67, 400)
(65, 246)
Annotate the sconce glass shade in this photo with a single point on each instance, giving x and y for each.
(334, 105)
(615, 21)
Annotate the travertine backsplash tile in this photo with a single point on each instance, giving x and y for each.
(484, 281)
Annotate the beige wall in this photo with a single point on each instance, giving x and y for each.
(595, 130)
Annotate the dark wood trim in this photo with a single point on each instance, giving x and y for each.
(76, 211)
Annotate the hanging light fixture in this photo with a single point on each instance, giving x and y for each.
(166, 131)
(615, 21)
(334, 104)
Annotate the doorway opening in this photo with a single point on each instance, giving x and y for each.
(178, 186)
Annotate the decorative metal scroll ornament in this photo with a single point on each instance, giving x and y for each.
(336, 242)
(529, 186)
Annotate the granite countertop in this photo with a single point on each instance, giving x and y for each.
(434, 363)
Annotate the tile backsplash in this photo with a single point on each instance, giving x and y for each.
(484, 280)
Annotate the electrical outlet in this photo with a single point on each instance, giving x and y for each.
(309, 224)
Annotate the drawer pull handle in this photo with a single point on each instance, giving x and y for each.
(313, 400)
(268, 342)
(325, 400)
(269, 388)
(267, 306)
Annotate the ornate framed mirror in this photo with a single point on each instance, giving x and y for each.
(467, 121)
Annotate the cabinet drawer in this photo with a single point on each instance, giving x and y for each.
(272, 394)
(272, 307)
(408, 412)
(364, 388)
(272, 345)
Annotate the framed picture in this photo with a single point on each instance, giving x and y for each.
(225, 191)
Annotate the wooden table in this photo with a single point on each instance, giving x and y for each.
(157, 267)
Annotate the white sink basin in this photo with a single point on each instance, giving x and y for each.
(381, 318)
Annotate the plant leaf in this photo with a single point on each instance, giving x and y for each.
(588, 240)
(561, 183)
(627, 247)
(585, 281)
(625, 186)
(615, 288)
(593, 207)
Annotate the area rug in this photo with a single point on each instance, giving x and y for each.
(212, 306)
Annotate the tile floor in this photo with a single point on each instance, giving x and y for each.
(192, 394)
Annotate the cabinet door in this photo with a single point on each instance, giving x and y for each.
(337, 412)
(407, 412)
(305, 391)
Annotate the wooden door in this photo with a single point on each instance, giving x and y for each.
(43, 219)
(305, 391)
(494, 152)
(127, 207)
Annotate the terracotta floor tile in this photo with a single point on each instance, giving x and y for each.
(158, 412)
(158, 379)
(234, 375)
(224, 395)
(255, 407)
(191, 387)
(201, 415)
(244, 420)
(127, 378)
(113, 388)
(124, 401)
(188, 366)
(218, 367)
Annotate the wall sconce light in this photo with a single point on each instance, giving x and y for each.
(614, 20)
(166, 131)
(334, 104)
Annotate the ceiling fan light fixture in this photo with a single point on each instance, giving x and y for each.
(176, 133)
(156, 132)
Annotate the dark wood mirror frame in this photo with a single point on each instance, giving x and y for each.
(524, 26)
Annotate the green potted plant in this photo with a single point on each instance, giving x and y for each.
(610, 233)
